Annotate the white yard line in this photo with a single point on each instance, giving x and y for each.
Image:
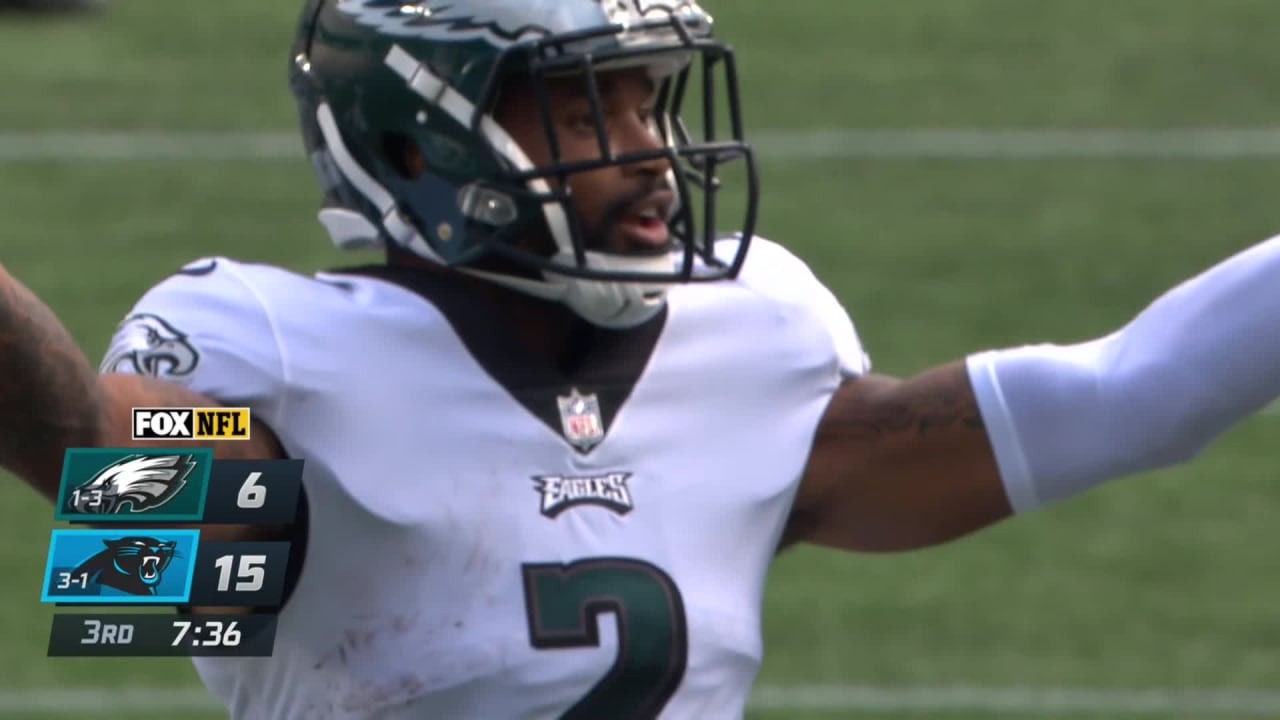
(798, 144)
(1021, 701)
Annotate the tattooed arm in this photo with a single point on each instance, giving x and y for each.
(51, 397)
(899, 464)
(49, 393)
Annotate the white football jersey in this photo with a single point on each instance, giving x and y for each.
(489, 536)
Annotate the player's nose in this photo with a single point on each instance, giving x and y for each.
(641, 137)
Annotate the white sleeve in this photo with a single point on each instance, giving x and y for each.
(204, 328)
(853, 359)
(772, 269)
(1201, 358)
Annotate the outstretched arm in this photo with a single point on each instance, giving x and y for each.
(51, 397)
(905, 464)
(49, 394)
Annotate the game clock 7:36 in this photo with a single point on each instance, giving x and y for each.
(135, 635)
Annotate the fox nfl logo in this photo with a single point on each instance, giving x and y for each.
(191, 423)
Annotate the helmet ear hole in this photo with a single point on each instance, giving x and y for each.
(403, 154)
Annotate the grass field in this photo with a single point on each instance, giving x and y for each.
(1167, 583)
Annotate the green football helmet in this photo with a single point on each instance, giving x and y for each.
(365, 72)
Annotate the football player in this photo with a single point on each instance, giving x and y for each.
(553, 443)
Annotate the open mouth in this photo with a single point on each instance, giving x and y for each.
(150, 567)
(645, 223)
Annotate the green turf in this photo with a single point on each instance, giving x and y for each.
(1163, 581)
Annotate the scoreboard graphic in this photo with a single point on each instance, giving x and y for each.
(135, 542)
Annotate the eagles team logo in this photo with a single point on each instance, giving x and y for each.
(119, 485)
(146, 344)
(500, 22)
(561, 492)
(136, 483)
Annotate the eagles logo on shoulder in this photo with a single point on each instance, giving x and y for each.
(147, 344)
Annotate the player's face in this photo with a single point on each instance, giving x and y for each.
(623, 208)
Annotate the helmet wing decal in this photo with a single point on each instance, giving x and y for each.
(498, 22)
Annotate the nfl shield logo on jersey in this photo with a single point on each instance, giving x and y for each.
(580, 419)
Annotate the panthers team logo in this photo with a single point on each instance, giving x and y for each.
(146, 344)
(145, 567)
(136, 483)
(502, 22)
(134, 565)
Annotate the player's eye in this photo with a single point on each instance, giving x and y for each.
(582, 122)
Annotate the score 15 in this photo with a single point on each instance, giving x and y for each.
(249, 574)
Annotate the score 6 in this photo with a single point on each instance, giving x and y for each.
(253, 492)
(252, 495)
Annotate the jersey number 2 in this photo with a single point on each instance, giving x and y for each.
(564, 603)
